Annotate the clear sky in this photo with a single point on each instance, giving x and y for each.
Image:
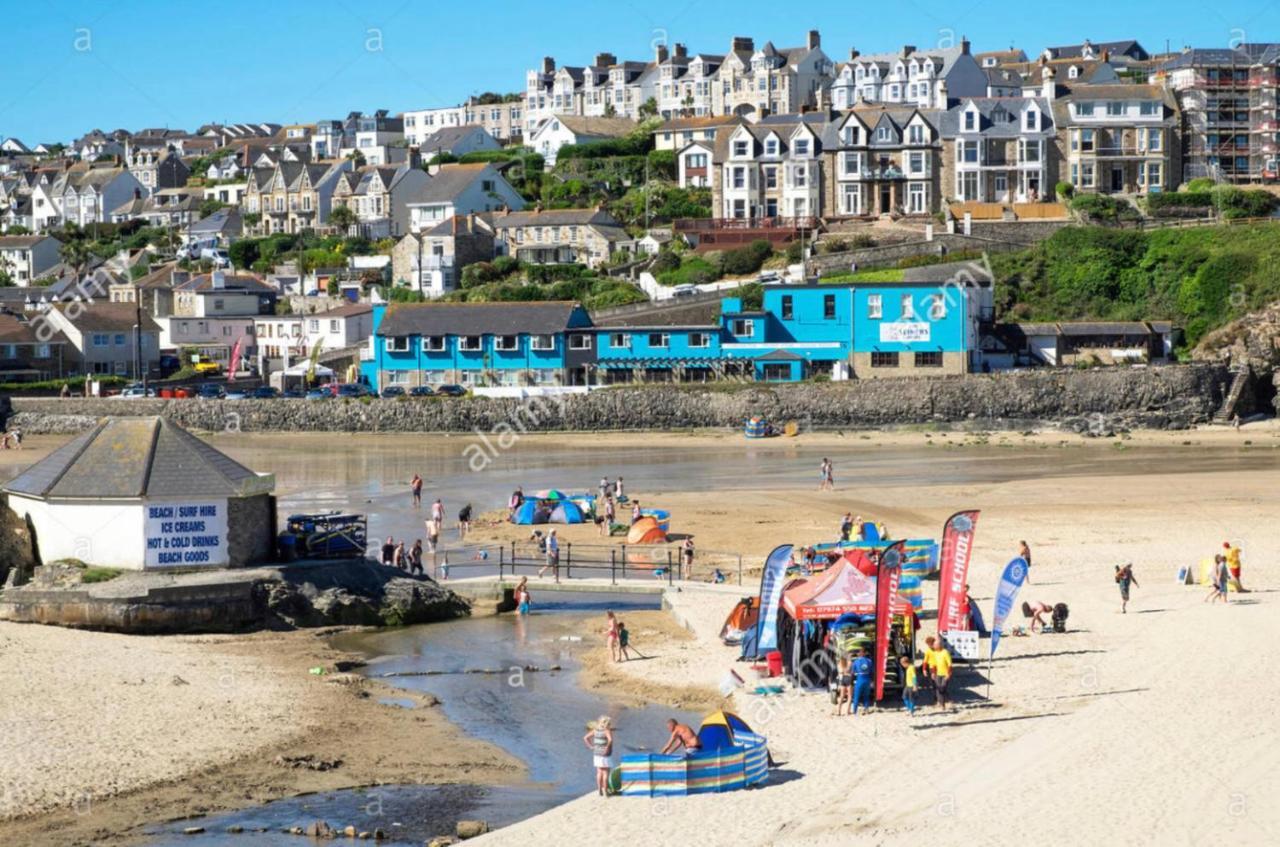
(73, 65)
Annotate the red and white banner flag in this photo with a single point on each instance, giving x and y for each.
(235, 361)
(888, 575)
(953, 570)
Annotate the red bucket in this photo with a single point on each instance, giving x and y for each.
(774, 660)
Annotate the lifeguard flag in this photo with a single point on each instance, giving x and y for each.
(235, 361)
(1015, 573)
(953, 570)
(888, 575)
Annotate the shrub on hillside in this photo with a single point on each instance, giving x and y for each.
(1103, 208)
(746, 260)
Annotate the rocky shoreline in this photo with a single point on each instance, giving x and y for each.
(1108, 399)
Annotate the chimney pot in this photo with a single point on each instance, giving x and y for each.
(661, 54)
(908, 49)
(548, 65)
(853, 53)
(964, 45)
(682, 51)
(815, 39)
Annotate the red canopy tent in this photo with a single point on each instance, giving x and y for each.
(841, 589)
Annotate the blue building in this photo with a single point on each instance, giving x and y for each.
(515, 344)
(864, 331)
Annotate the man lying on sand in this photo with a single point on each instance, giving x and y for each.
(681, 736)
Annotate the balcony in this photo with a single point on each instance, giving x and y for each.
(437, 263)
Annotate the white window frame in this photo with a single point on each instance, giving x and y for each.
(699, 340)
(397, 344)
(506, 343)
(543, 342)
(743, 326)
(433, 344)
(875, 306)
(663, 340)
(470, 343)
(619, 341)
(580, 341)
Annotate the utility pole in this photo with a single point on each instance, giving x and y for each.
(137, 341)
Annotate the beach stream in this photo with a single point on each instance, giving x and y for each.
(477, 669)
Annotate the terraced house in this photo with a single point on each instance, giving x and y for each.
(380, 197)
(882, 160)
(770, 169)
(535, 344)
(1119, 139)
(755, 82)
(292, 196)
(1000, 149)
(560, 236)
(922, 78)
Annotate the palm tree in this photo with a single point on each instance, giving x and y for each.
(77, 255)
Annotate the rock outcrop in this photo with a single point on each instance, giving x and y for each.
(1253, 342)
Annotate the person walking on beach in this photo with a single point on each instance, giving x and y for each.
(1025, 552)
(909, 685)
(399, 556)
(389, 551)
(522, 597)
(611, 634)
(415, 485)
(681, 736)
(599, 741)
(862, 668)
(1216, 588)
(937, 660)
(602, 526)
(437, 512)
(464, 522)
(415, 558)
(605, 489)
(846, 526)
(624, 641)
(553, 556)
(1125, 579)
(618, 493)
(844, 684)
(686, 557)
(610, 515)
(826, 474)
(1233, 565)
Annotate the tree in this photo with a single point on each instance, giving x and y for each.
(210, 205)
(649, 108)
(333, 289)
(76, 255)
(342, 217)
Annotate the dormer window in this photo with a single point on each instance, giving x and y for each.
(1073, 72)
(741, 147)
(883, 134)
(1032, 119)
(800, 147)
(771, 147)
(970, 121)
(851, 135)
(915, 134)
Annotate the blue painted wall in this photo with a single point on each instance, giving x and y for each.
(947, 333)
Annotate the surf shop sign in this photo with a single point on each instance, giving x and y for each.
(905, 332)
(186, 534)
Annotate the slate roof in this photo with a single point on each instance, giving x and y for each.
(129, 458)
(449, 137)
(597, 127)
(449, 182)
(477, 318)
(107, 317)
(555, 217)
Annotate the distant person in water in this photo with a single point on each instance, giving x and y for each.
(681, 737)
(1125, 579)
(400, 558)
(464, 522)
(415, 485)
(415, 558)
(437, 512)
(522, 597)
(599, 741)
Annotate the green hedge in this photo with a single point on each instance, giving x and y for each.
(76, 383)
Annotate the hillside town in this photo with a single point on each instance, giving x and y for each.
(770, 213)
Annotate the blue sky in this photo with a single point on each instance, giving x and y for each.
(73, 65)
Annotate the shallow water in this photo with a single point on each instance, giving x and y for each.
(370, 473)
(537, 716)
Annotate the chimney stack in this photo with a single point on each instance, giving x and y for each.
(907, 50)
(661, 54)
(604, 60)
(1048, 88)
(853, 53)
(548, 65)
(682, 52)
(815, 39)
(964, 46)
(743, 45)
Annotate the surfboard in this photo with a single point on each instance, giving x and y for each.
(615, 781)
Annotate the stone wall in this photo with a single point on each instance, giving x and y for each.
(1173, 396)
(1022, 232)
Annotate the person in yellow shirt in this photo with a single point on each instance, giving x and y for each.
(1233, 565)
(909, 685)
(937, 663)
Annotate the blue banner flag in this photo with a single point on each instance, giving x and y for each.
(1015, 573)
(771, 584)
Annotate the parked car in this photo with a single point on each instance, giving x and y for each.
(294, 394)
(421, 391)
(352, 389)
(136, 392)
(237, 394)
(451, 391)
(392, 391)
(217, 256)
(769, 277)
(265, 392)
(322, 393)
(684, 290)
(210, 391)
(206, 366)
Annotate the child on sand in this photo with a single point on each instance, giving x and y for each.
(624, 638)
(844, 684)
(1124, 578)
(909, 685)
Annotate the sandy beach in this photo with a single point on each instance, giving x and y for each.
(1150, 727)
(103, 733)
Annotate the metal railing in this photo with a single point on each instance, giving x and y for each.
(597, 561)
